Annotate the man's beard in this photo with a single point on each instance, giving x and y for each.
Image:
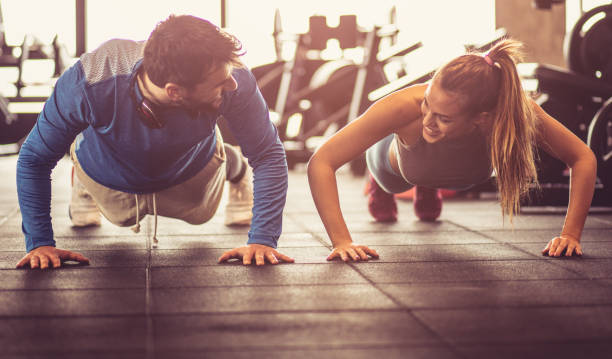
(195, 107)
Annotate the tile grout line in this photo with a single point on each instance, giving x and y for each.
(435, 334)
(580, 275)
(149, 344)
(395, 301)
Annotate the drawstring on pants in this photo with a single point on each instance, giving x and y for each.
(136, 228)
(155, 241)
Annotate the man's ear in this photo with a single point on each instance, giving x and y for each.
(174, 92)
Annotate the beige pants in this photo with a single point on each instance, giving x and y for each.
(194, 201)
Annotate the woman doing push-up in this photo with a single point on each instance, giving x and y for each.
(472, 120)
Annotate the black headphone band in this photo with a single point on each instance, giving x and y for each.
(147, 110)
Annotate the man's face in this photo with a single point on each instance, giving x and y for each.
(207, 95)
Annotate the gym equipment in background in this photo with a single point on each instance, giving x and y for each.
(19, 111)
(588, 48)
(580, 99)
(313, 97)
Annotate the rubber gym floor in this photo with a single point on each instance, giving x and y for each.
(466, 286)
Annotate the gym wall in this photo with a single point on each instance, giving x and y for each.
(542, 31)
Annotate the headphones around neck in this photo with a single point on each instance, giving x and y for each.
(147, 110)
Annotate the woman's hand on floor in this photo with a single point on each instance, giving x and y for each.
(563, 245)
(352, 251)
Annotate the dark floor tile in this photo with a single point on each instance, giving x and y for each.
(355, 352)
(72, 354)
(590, 249)
(278, 331)
(62, 227)
(209, 256)
(229, 241)
(568, 349)
(79, 277)
(461, 271)
(118, 258)
(361, 223)
(60, 335)
(17, 243)
(237, 274)
(481, 219)
(419, 238)
(520, 325)
(589, 268)
(500, 293)
(442, 252)
(269, 298)
(544, 236)
(72, 302)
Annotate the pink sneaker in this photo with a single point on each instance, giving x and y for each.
(427, 203)
(381, 204)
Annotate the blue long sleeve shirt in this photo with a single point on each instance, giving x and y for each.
(94, 100)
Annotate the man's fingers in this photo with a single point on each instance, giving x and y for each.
(44, 262)
(246, 258)
(227, 255)
(259, 258)
(271, 257)
(285, 258)
(74, 256)
(25, 260)
(34, 262)
(56, 262)
(343, 255)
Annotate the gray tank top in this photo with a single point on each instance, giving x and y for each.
(452, 163)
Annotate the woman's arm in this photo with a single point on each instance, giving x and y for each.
(561, 143)
(382, 118)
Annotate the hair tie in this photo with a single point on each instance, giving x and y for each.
(488, 60)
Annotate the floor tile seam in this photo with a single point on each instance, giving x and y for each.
(312, 347)
(601, 220)
(234, 349)
(604, 340)
(514, 246)
(71, 289)
(150, 327)
(316, 236)
(154, 314)
(497, 280)
(5, 218)
(487, 281)
(161, 288)
(412, 311)
(374, 261)
(365, 283)
(438, 336)
(510, 307)
(275, 285)
(461, 343)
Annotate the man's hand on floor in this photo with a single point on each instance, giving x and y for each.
(261, 253)
(44, 257)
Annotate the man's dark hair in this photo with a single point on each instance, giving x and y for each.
(184, 49)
